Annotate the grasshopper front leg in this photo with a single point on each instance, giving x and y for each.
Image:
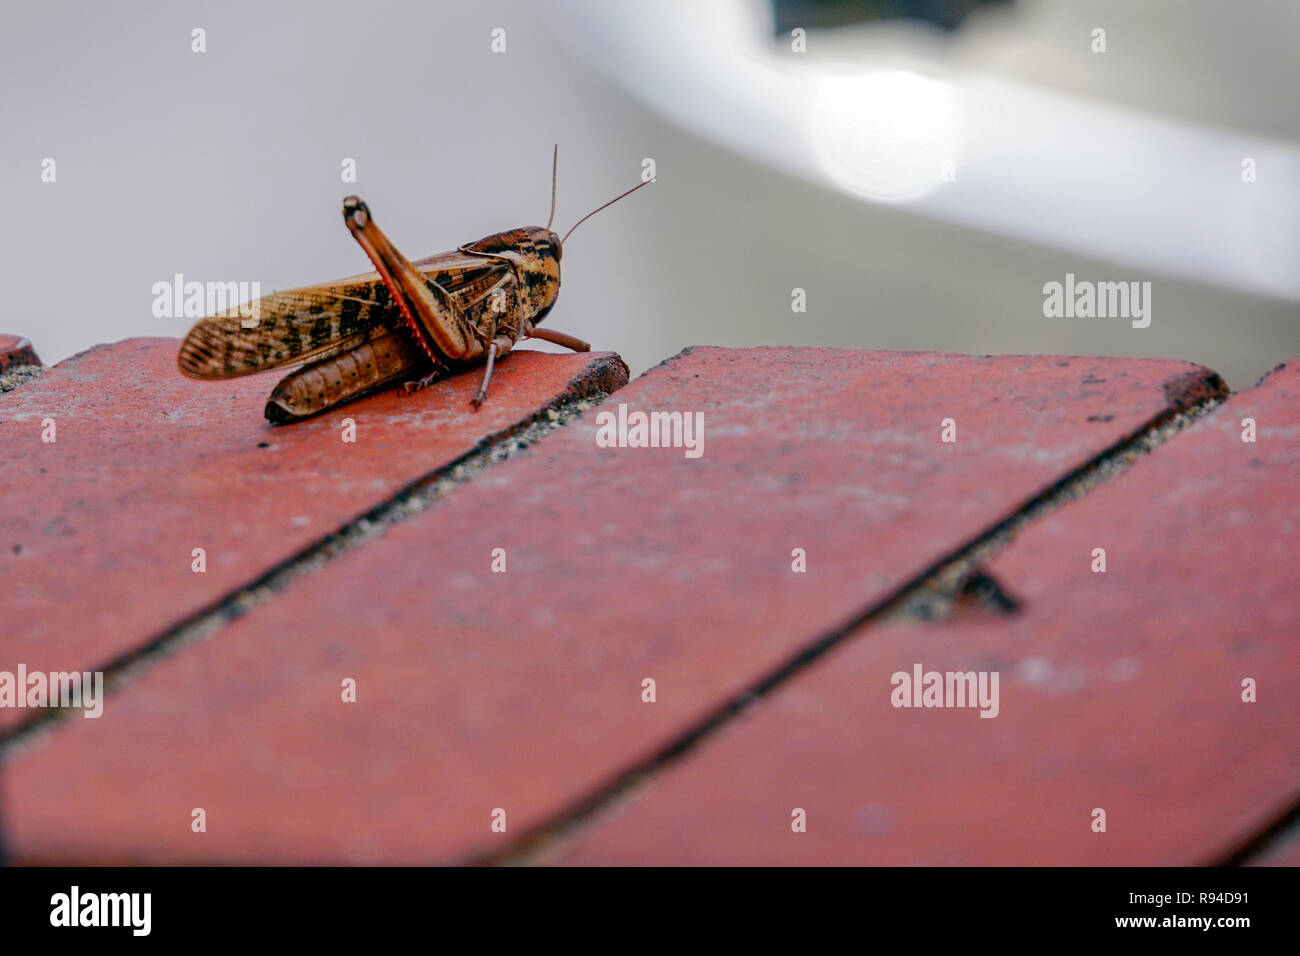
(500, 346)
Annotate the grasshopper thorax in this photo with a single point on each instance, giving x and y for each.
(535, 253)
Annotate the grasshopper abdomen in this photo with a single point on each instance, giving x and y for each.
(387, 359)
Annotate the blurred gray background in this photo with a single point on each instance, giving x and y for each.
(776, 169)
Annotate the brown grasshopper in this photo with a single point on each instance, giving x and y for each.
(409, 322)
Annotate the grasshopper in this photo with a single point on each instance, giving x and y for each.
(409, 322)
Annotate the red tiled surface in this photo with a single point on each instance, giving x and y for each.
(98, 527)
(16, 350)
(1119, 690)
(523, 690)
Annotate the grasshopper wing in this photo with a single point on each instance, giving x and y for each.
(300, 325)
(287, 328)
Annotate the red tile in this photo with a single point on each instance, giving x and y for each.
(16, 350)
(1118, 690)
(98, 528)
(522, 690)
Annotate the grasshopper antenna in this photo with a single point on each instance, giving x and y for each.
(555, 159)
(599, 208)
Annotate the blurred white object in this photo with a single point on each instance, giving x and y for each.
(1144, 191)
(885, 135)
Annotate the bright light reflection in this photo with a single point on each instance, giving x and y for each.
(887, 135)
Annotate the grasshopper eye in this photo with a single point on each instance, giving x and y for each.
(556, 245)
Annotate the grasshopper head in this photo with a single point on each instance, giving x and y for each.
(537, 251)
(542, 254)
